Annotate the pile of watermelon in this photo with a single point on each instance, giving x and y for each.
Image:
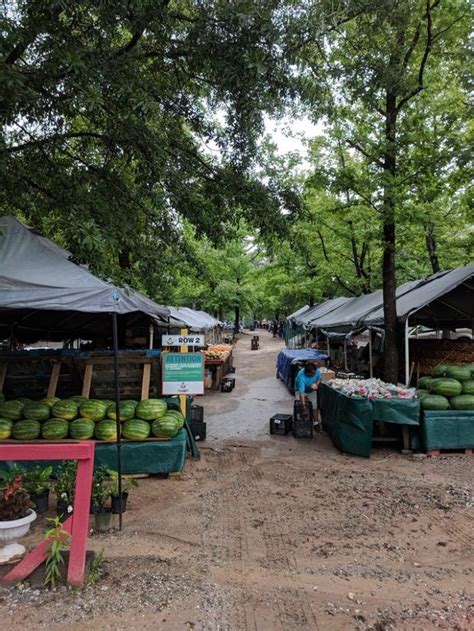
(83, 419)
(448, 388)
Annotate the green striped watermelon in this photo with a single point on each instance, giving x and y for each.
(50, 401)
(24, 400)
(446, 387)
(458, 372)
(425, 382)
(422, 393)
(434, 402)
(26, 430)
(106, 430)
(67, 410)
(462, 402)
(165, 427)
(151, 409)
(78, 398)
(82, 429)
(178, 416)
(36, 411)
(93, 410)
(5, 428)
(55, 429)
(127, 411)
(468, 387)
(136, 429)
(12, 410)
(439, 371)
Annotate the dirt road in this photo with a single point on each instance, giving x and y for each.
(273, 534)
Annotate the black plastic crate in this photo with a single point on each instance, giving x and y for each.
(302, 420)
(228, 384)
(197, 414)
(281, 424)
(198, 430)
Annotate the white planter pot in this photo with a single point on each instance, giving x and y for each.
(10, 531)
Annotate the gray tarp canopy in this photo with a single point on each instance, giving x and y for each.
(444, 300)
(43, 293)
(321, 311)
(293, 317)
(190, 318)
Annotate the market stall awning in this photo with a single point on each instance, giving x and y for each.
(322, 310)
(296, 314)
(444, 300)
(42, 292)
(196, 321)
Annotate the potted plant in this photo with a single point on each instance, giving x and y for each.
(38, 485)
(65, 487)
(127, 483)
(16, 515)
(100, 495)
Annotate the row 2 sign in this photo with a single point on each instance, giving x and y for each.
(183, 373)
(182, 340)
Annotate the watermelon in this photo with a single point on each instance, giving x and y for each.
(458, 372)
(50, 401)
(12, 410)
(127, 411)
(55, 429)
(81, 429)
(468, 387)
(151, 409)
(24, 400)
(165, 427)
(5, 428)
(439, 371)
(106, 430)
(178, 416)
(424, 382)
(66, 410)
(462, 402)
(136, 429)
(470, 367)
(78, 398)
(26, 430)
(446, 387)
(107, 402)
(422, 393)
(434, 402)
(36, 411)
(93, 410)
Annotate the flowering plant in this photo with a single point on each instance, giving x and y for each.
(15, 502)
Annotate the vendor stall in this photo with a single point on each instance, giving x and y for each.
(218, 363)
(350, 419)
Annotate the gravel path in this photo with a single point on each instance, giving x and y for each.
(273, 534)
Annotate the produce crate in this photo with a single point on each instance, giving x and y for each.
(197, 414)
(302, 420)
(281, 424)
(228, 384)
(198, 430)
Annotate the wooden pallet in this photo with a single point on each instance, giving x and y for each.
(436, 453)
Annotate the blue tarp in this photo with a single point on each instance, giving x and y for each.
(287, 358)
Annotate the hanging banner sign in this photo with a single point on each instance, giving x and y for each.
(183, 373)
(182, 340)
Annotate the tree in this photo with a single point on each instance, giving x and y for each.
(107, 112)
(380, 59)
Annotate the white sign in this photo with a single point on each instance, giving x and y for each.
(182, 340)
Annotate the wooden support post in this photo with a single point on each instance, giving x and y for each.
(371, 362)
(53, 381)
(86, 384)
(146, 381)
(406, 437)
(3, 374)
(182, 397)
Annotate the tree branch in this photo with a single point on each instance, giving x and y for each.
(365, 153)
(44, 141)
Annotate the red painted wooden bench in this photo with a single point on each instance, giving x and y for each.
(78, 524)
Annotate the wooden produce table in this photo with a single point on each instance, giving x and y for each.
(220, 368)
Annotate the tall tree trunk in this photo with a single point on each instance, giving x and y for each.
(389, 268)
(237, 319)
(431, 246)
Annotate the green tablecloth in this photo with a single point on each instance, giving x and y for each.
(448, 429)
(349, 421)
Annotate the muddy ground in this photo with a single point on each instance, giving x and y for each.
(272, 533)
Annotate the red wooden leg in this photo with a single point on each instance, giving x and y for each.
(433, 453)
(80, 521)
(32, 560)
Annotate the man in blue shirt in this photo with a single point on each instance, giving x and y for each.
(306, 385)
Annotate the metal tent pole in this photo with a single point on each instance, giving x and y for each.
(407, 354)
(117, 412)
(371, 362)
